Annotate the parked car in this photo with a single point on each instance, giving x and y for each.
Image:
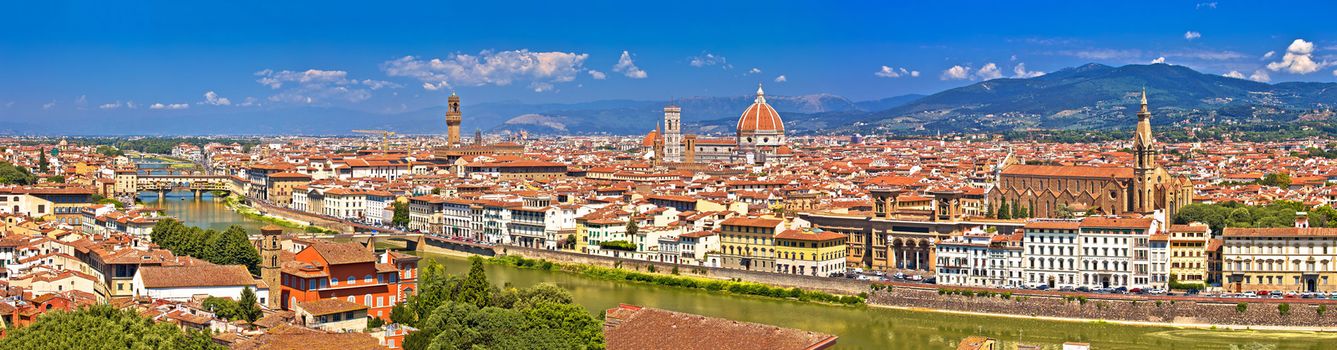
(1083, 289)
(1121, 289)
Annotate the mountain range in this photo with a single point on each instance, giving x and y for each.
(1091, 96)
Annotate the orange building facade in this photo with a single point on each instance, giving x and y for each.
(347, 271)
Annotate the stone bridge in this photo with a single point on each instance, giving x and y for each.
(195, 183)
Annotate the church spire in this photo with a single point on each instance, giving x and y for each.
(1143, 141)
(761, 95)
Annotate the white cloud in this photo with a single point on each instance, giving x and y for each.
(131, 105)
(380, 84)
(1298, 59)
(1334, 73)
(1269, 54)
(81, 102)
(1020, 71)
(1206, 5)
(709, 59)
(888, 72)
(541, 87)
(249, 101)
(317, 86)
(956, 73)
(627, 67)
(49, 105)
(781, 79)
(212, 98)
(1234, 74)
(989, 71)
(1190, 35)
(597, 75)
(434, 87)
(169, 106)
(498, 68)
(1158, 60)
(113, 105)
(1260, 76)
(754, 70)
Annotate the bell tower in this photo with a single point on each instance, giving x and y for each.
(453, 119)
(270, 239)
(1144, 164)
(673, 134)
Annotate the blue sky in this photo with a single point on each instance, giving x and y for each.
(98, 59)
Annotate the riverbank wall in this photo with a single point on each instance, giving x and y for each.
(830, 285)
(1318, 317)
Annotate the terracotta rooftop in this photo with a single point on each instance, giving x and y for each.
(196, 276)
(634, 327)
(1280, 232)
(329, 306)
(343, 253)
(1069, 171)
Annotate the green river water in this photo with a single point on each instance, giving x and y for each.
(857, 327)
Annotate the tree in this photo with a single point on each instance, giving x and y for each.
(16, 175)
(249, 307)
(450, 314)
(237, 245)
(60, 179)
(475, 289)
(1284, 309)
(374, 322)
(632, 227)
(1004, 212)
(1016, 211)
(41, 162)
(401, 218)
(103, 327)
(1281, 180)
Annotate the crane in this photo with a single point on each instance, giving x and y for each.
(385, 137)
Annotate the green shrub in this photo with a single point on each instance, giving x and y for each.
(1241, 307)
(1284, 309)
(1321, 309)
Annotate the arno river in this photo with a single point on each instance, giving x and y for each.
(858, 327)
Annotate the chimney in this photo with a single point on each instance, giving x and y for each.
(1301, 219)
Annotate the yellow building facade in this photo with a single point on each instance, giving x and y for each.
(1188, 252)
(1292, 259)
(809, 252)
